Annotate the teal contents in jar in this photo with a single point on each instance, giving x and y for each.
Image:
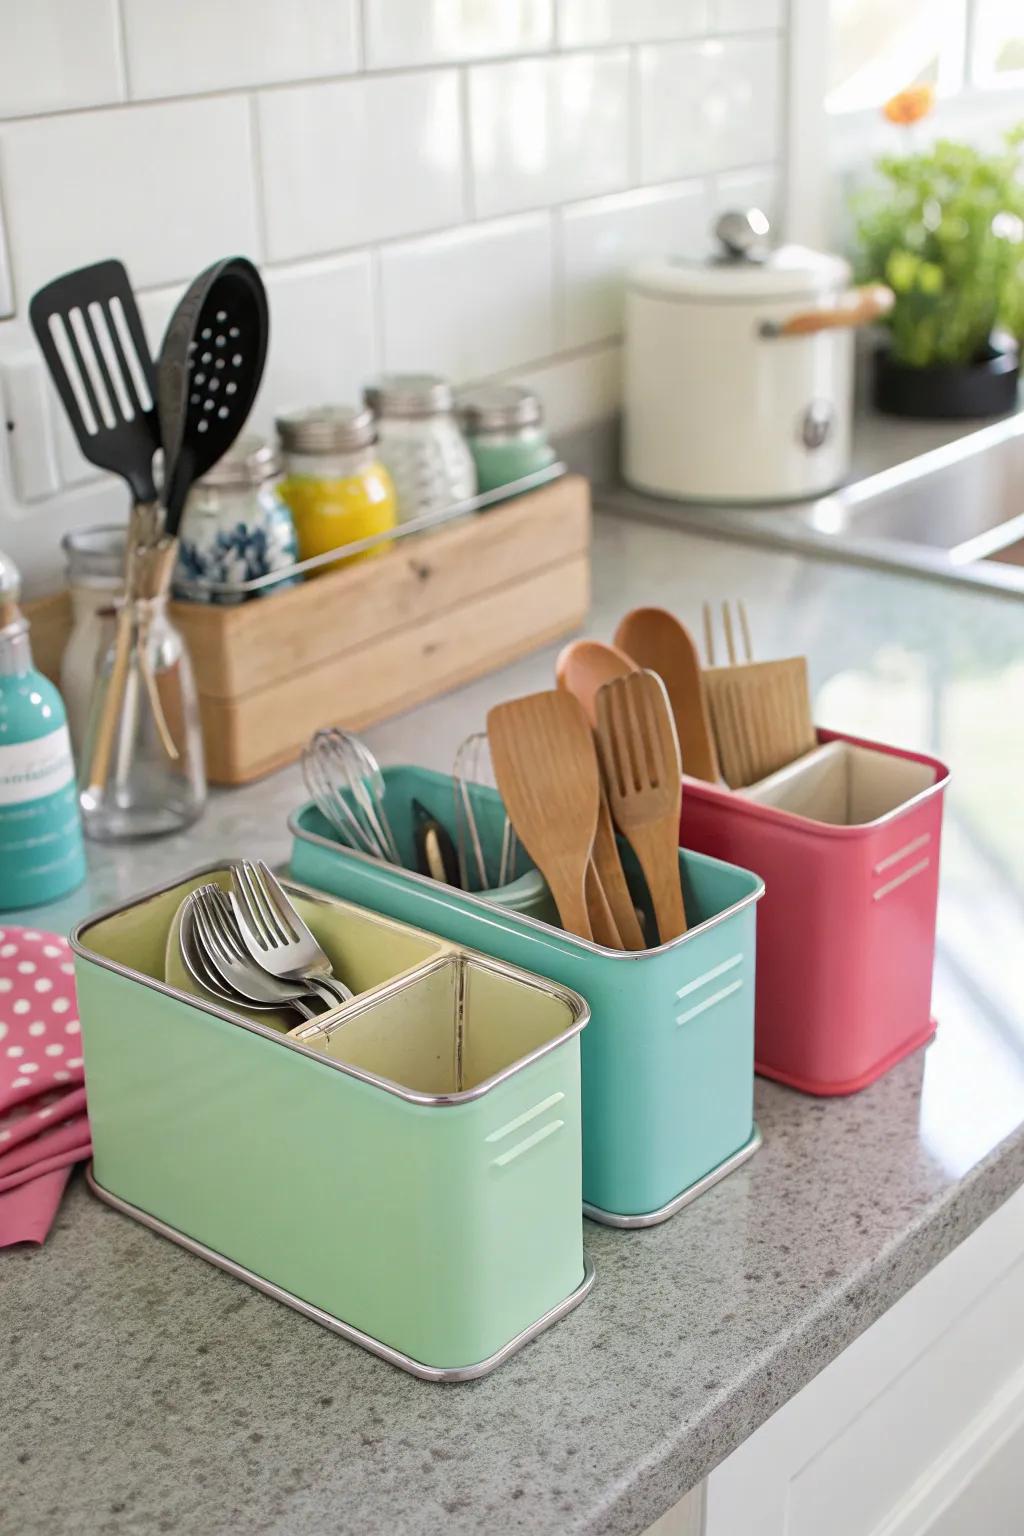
(236, 528)
(504, 427)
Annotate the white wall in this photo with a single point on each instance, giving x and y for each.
(444, 184)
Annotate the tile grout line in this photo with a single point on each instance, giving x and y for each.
(121, 45)
(256, 171)
(385, 72)
(468, 166)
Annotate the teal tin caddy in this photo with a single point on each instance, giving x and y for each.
(404, 1171)
(668, 1055)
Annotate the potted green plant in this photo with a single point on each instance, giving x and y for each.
(945, 230)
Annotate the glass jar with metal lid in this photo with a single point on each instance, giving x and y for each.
(504, 427)
(236, 527)
(420, 442)
(336, 486)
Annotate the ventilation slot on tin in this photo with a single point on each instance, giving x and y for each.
(716, 997)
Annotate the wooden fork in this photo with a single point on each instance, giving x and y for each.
(639, 749)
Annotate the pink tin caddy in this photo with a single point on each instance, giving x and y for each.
(846, 929)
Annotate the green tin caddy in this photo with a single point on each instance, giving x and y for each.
(405, 1171)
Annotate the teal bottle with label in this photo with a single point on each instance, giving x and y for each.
(42, 855)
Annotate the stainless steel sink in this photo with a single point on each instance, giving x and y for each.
(955, 513)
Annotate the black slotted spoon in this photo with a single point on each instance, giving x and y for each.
(210, 368)
(88, 327)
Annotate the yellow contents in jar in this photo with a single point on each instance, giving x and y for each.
(329, 513)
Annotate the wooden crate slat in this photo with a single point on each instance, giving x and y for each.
(250, 736)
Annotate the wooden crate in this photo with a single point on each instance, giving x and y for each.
(373, 639)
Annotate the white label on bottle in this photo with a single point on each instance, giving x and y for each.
(33, 769)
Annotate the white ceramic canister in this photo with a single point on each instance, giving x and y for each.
(419, 442)
(739, 370)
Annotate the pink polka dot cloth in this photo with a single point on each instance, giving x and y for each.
(44, 1129)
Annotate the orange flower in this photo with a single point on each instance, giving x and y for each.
(911, 105)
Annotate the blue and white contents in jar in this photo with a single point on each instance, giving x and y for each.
(236, 528)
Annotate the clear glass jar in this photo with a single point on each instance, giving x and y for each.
(504, 427)
(336, 486)
(236, 527)
(95, 566)
(420, 442)
(142, 771)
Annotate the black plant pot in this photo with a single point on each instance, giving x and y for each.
(985, 388)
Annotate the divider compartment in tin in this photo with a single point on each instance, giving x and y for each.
(842, 784)
(446, 1030)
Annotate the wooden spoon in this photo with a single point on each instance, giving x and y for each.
(585, 665)
(547, 773)
(582, 668)
(656, 639)
(640, 755)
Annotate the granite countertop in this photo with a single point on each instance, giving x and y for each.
(144, 1391)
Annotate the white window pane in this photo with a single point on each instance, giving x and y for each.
(881, 46)
(998, 42)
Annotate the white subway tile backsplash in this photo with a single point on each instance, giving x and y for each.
(169, 188)
(748, 15)
(471, 302)
(708, 106)
(585, 22)
(321, 335)
(576, 390)
(26, 410)
(359, 160)
(543, 130)
(6, 286)
(601, 239)
(228, 43)
(439, 31)
(515, 157)
(58, 54)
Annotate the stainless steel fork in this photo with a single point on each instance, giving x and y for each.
(214, 954)
(274, 933)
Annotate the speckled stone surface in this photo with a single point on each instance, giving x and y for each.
(142, 1391)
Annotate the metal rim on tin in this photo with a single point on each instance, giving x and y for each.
(545, 931)
(578, 1007)
(655, 1218)
(327, 1319)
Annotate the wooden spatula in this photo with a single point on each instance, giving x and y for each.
(640, 756)
(657, 640)
(582, 668)
(760, 710)
(547, 773)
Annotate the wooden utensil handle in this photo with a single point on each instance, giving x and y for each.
(654, 846)
(571, 901)
(860, 306)
(613, 880)
(602, 920)
(99, 766)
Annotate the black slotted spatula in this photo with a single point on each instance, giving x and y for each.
(88, 327)
(211, 365)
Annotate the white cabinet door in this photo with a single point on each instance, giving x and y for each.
(916, 1430)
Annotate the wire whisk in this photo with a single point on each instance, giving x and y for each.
(472, 765)
(345, 780)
